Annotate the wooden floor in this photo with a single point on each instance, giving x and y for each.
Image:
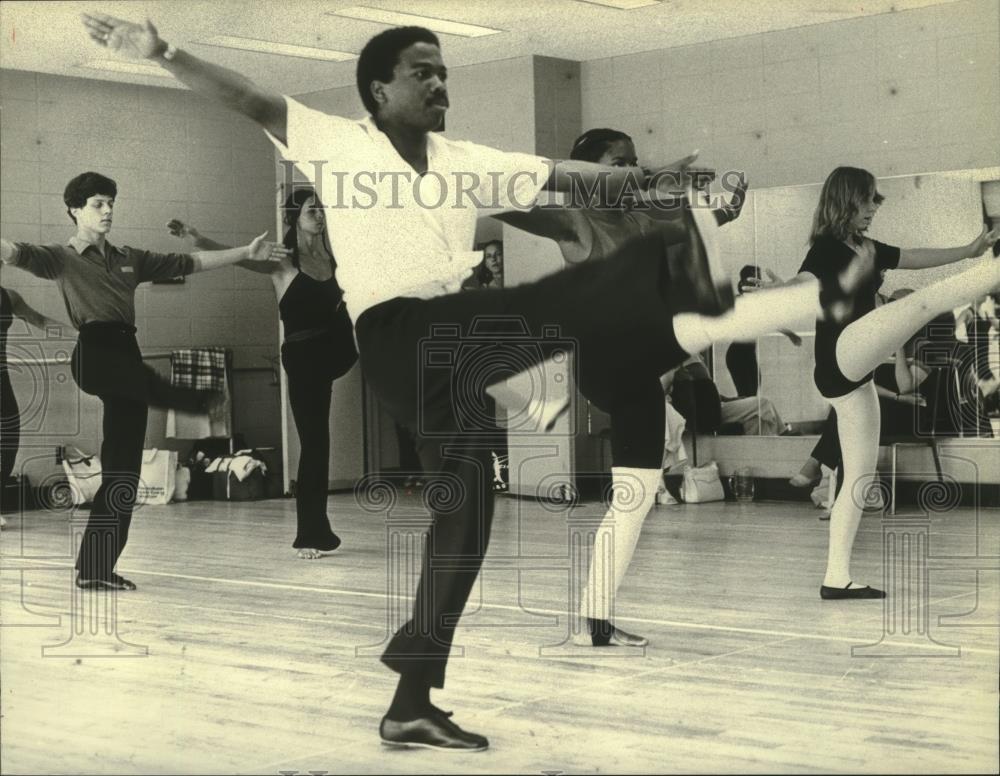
(235, 657)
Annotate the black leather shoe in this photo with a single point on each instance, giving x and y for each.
(434, 731)
(116, 582)
(845, 593)
(604, 634)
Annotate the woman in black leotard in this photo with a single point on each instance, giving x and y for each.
(848, 351)
(318, 348)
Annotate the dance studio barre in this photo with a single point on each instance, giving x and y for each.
(587, 386)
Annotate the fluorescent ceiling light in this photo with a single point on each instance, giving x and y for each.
(281, 49)
(135, 68)
(398, 19)
(624, 5)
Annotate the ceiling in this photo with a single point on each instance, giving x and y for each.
(48, 37)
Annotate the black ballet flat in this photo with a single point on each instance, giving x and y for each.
(604, 634)
(846, 593)
(434, 731)
(114, 582)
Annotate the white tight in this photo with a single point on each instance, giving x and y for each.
(634, 493)
(861, 347)
(753, 316)
(858, 429)
(868, 341)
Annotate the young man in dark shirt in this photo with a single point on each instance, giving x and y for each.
(97, 281)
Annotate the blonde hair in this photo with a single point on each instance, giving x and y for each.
(845, 191)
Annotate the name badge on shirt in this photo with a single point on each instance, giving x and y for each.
(126, 268)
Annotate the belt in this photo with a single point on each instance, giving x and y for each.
(108, 326)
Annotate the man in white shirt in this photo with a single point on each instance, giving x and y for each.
(402, 203)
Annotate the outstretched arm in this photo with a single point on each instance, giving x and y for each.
(178, 228)
(142, 41)
(26, 312)
(922, 258)
(257, 251)
(593, 184)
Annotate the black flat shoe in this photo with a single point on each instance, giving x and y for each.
(116, 582)
(435, 731)
(845, 593)
(604, 634)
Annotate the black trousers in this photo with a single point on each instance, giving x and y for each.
(312, 365)
(741, 361)
(429, 362)
(107, 363)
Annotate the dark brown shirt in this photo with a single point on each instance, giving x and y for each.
(98, 287)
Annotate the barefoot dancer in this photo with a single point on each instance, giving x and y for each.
(318, 349)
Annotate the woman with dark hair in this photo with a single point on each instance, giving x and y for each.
(629, 390)
(318, 348)
(848, 351)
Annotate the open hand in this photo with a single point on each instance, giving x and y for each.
(135, 41)
(262, 250)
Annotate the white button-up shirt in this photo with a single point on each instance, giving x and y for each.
(394, 232)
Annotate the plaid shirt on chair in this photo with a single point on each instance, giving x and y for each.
(203, 369)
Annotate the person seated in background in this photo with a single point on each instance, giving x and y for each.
(696, 397)
(489, 272)
(954, 348)
(741, 357)
(978, 365)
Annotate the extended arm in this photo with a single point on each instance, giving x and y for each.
(922, 258)
(141, 41)
(584, 181)
(256, 251)
(26, 312)
(178, 228)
